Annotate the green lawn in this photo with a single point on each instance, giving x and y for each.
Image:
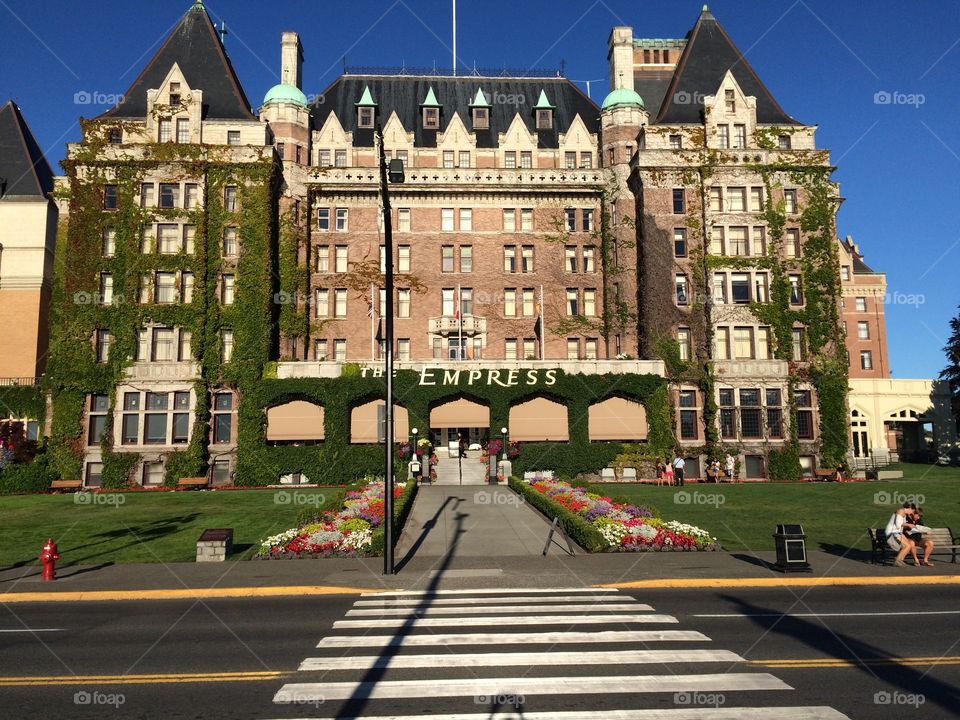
(835, 516)
(147, 526)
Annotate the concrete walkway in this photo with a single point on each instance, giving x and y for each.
(456, 471)
(489, 522)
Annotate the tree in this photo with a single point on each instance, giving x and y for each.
(951, 373)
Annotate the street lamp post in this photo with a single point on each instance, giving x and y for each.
(395, 175)
(503, 434)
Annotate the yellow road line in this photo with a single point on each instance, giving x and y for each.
(146, 679)
(183, 593)
(786, 581)
(844, 663)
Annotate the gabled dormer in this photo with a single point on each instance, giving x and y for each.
(731, 115)
(543, 112)
(430, 111)
(480, 111)
(366, 110)
(174, 110)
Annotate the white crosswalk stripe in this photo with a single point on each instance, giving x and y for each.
(522, 672)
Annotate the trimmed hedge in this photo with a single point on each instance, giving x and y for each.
(32, 477)
(401, 510)
(579, 530)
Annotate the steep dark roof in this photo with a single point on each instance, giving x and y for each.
(707, 57)
(24, 171)
(195, 45)
(403, 95)
(652, 87)
(859, 266)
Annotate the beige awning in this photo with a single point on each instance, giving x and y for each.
(296, 420)
(618, 419)
(538, 420)
(364, 418)
(460, 413)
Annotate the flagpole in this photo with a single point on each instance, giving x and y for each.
(543, 333)
(373, 325)
(454, 38)
(459, 309)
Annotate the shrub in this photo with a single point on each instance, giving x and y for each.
(401, 509)
(24, 478)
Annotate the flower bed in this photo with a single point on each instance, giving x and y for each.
(624, 527)
(346, 533)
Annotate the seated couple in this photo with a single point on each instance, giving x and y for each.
(903, 535)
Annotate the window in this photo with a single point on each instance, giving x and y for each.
(229, 198)
(774, 413)
(510, 302)
(573, 306)
(796, 290)
(510, 159)
(109, 197)
(589, 263)
(681, 288)
(729, 101)
(728, 414)
(737, 244)
(403, 302)
(510, 348)
(365, 117)
(866, 360)
(340, 158)
(509, 220)
(323, 218)
(586, 160)
(688, 424)
(191, 196)
(339, 350)
(463, 159)
(403, 348)
(226, 290)
(760, 287)
(783, 142)
(186, 287)
(804, 402)
(683, 340)
(168, 239)
(845, 272)
(759, 241)
(527, 301)
(164, 131)
(790, 201)
(322, 304)
(226, 340)
(323, 158)
(544, 119)
(526, 220)
(103, 339)
(742, 343)
(736, 199)
(723, 136)
(403, 220)
(189, 235)
(163, 348)
(678, 201)
(750, 413)
(570, 217)
(183, 130)
(323, 258)
(403, 258)
(716, 199)
(181, 420)
(446, 259)
(680, 242)
(341, 220)
(720, 288)
(233, 137)
(860, 304)
(447, 302)
(165, 291)
(466, 301)
(106, 289)
(230, 241)
(526, 259)
(340, 302)
(792, 242)
(186, 353)
(587, 221)
(169, 195)
(448, 157)
(109, 245)
(222, 418)
(739, 137)
(320, 349)
(466, 258)
(863, 330)
(721, 343)
(573, 349)
(115, 136)
(446, 219)
(763, 343)
(798, 349)
(155, 423)
(590, 349)
(340, 258)
(510, 258)
(590, 302)
(466, 220)
(570, 160)
(481, 118)
(676, 142)
(526, 159)
(740, 287)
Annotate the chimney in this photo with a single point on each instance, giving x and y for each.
(291, 60)
(620, 57)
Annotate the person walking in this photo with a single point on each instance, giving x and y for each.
(667, 474)
(731, 467)
(660, 469)
(679, 464)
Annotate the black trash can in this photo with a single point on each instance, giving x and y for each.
(791, 549)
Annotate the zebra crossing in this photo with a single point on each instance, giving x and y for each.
(527, 653)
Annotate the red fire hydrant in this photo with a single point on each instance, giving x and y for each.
(49, 557)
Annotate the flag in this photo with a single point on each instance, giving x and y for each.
(369, 309)
(456, 303)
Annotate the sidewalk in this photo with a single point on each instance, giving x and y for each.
(347, 576)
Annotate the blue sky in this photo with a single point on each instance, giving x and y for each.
(825, 61)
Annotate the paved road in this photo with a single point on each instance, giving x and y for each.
(683, 654)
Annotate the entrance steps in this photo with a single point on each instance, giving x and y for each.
(449, 470)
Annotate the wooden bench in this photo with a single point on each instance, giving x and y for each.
(66, 485)
(824, 474)
(944, 543)
(193, 482)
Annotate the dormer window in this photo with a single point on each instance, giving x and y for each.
(115, 136)
(164, 130)
(431, 118)
(365, 117)
(730, 100)
(481, 118)
(545, 119)
(174, 93)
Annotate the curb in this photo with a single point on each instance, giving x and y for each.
(183, 593)
(766, 582)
